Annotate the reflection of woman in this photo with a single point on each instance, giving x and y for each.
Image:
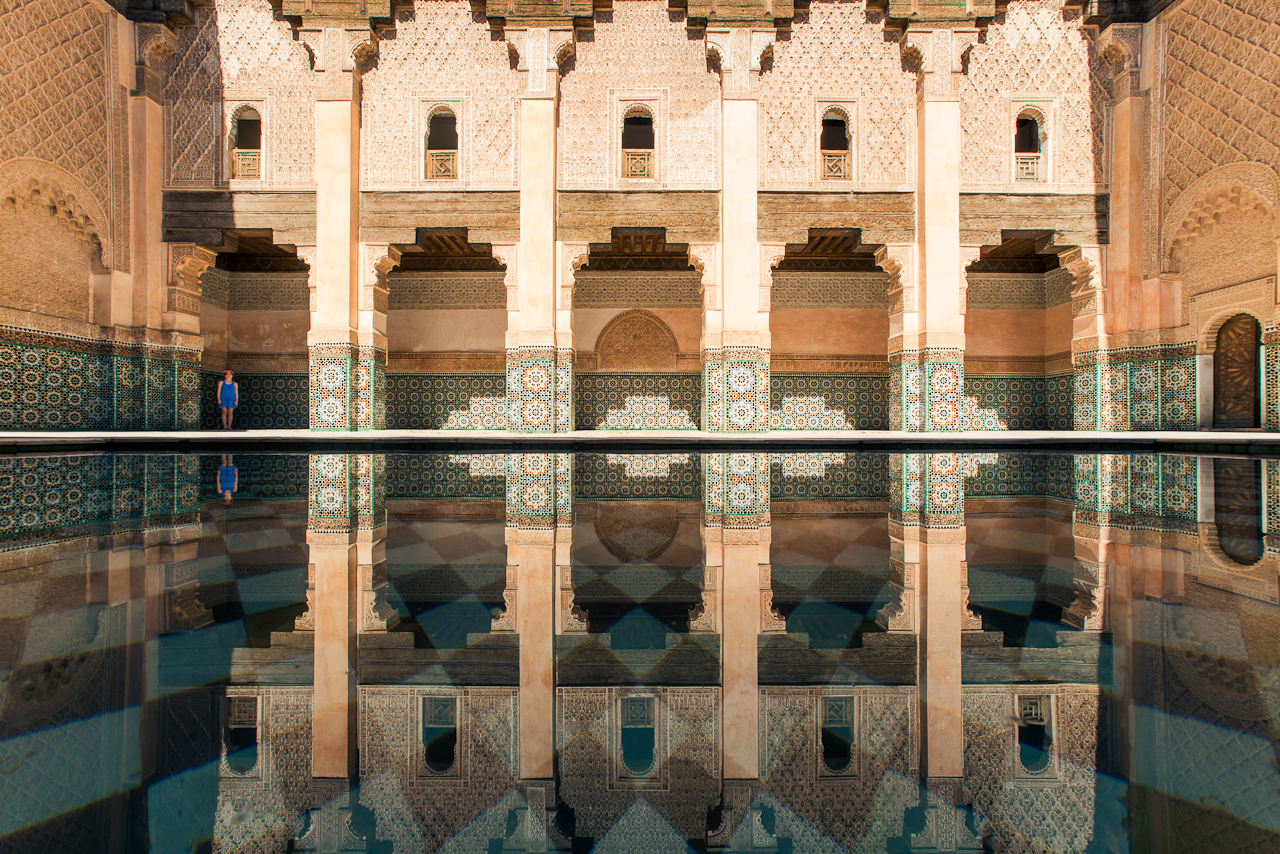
(228, 397)
(228, 478)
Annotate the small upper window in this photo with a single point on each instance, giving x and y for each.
(246, 152)
(637, 144)
(442, 145)
(834, 145)
(1028, 149)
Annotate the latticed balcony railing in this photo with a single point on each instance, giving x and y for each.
(1027, 166)
(246, 164)
(835, 166)
(637, 163)
(442, 165)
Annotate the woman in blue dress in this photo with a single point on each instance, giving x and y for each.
(228, 397)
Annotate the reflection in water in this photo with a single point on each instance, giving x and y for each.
(747, 652)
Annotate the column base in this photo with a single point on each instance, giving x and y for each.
(925, 390)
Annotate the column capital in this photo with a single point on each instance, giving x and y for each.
(738, 52)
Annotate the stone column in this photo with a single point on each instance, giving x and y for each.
(539, 370)
(332, 525)
(927, 364)
(736, 356)
(333, 343)
(371, 364)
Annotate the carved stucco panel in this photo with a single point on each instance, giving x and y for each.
(242, 50)
(1036, 49)
(837, 53)
(440, 55)
(638, 46)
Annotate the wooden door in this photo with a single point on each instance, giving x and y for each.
(1235, 374)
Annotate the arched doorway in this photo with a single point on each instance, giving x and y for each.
(1237, 392)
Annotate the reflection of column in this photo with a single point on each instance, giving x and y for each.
(736, 525)
(538, 488)
(927, 515)
(331, 541)
(371, 547)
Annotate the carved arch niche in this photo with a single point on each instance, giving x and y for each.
(636, 341)
(52, 241)
(1224, 229)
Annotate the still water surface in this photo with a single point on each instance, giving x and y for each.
(803, 652)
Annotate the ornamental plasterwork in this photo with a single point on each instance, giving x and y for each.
(993, 291)
(1206, 312)
(440, 54)
(1213, 51)
(837, 55)
(829, 290)
(240, 47)
(1040, 50)
(1237, 186)
(607, 68)
(267, 291)
(625, 289)
(445, 291)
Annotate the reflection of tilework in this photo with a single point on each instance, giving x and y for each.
(330, 493)
(740, 482)
(1271, 472)
(531, 486)
(531, 376)
(829, 475)
(52, 499)
(1018, 403)
(369, 483)
(1012, 475)
(267, 401)
(331, 386)
(446, 476)
(446, 401)
(1136, 491)
(828, 402)
(637, 401)
(609, 476)
(564, 478)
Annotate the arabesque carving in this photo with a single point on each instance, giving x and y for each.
(636, 341)
(64, 207)
(1208, 210)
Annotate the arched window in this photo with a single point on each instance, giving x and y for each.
(837, 732)
(246, 150)
(1028, 147)
(1034, 737)
(240, 735)
(439, 733)
(442, 145)
(637, 144)
(639, 735)
(834, 144)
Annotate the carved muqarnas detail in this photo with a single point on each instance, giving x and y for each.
(37, 193)
(636, 341)
(1209, 212)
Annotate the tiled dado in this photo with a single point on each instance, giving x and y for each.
(1148, 388)
(637, 401)
(736, 390)
(267, 401)
(446, 401)
(347, 387)
(539, 390)
(828, 402)
(1018, 402)
(925, 390)
(55, 382)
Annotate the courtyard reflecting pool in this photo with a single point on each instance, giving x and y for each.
(801, 652)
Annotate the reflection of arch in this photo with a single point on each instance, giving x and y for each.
(1237, 400)
(637, 530)
(636, 340)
